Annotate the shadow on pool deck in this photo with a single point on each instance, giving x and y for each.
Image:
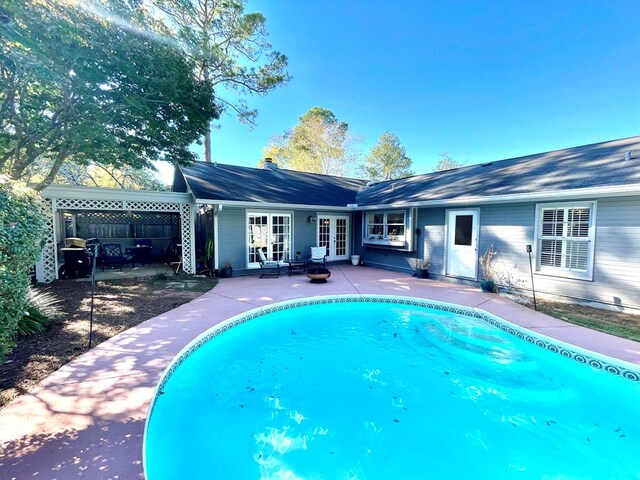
(87, 419)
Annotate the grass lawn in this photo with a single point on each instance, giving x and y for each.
(619, 324)
(118, 305)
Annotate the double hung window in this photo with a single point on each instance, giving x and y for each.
(566, 239)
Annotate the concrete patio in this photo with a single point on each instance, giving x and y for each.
(87, 419)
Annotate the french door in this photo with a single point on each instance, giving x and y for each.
(462, 243)
(333, 234)
(270, 232)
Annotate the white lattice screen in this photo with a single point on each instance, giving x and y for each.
(46, 269)
(46, 266)
(90, 204)
(188, 244)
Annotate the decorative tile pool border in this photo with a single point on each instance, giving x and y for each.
(556, 346)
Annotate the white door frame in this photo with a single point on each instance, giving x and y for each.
(268, 232)
(331, 256)
(452, 258)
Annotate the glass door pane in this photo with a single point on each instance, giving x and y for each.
(341, 237)
(258, 235)
(280, 237)
(324, 233)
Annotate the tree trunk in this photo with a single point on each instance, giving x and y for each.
(207, 145)
(60, 158)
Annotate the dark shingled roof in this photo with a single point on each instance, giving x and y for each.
(209, 181)
(596, 165)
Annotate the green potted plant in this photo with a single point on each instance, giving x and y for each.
(488, 284)
(422, 267)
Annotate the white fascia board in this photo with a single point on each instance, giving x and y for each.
(263, 205)
(582, 193)
(100, 193)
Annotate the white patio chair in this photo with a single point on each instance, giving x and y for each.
(318, 255)
(270, 268)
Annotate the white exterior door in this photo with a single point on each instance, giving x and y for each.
(462, 243)
(333, 234)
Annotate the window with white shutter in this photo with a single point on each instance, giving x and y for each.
(565, 239)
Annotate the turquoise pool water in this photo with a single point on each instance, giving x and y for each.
(388, 391)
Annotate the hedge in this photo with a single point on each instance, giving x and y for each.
(22, 230)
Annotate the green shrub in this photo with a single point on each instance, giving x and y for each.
(22, 229)
(42, 309)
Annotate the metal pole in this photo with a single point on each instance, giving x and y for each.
(535, 305)
(94, 255)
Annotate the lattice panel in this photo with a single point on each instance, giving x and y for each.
(92, 204)
(187, 240)
(153, 206)
(89, 204)
(46, 268)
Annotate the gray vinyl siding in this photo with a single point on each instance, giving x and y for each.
(510, 227)
(431, 241)
(304, 232)
(356, 233)
(231, 238)
(616, 268)
(388, 258)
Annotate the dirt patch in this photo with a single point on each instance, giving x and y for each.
(118, 305)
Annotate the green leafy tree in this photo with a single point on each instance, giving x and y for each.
(107, 176)
(320, 143)
(387, 159)
(447, 163)
(78, 86)
(22, 227)
(229, 48)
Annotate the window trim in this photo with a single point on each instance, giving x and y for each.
(400, 241)
(561, 271)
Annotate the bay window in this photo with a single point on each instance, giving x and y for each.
(386, 227)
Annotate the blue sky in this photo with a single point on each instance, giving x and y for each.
(481, 80)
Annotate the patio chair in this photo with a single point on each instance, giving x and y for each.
(270, 268)
(318, 255)
(115, 256)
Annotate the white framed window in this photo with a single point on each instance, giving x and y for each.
(270, 232)
(565, 234)
(386, 227)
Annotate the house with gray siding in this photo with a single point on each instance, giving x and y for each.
(579, 209)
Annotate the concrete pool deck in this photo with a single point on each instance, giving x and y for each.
(87, 419)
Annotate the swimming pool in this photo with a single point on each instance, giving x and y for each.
(389, 387)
